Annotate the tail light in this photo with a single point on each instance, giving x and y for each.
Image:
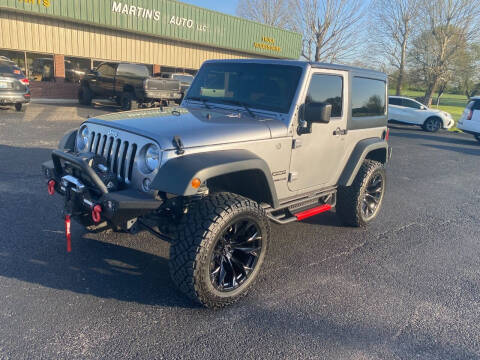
(17, 72)
(25, 81)
(470, 114)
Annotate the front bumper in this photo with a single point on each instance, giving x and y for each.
(8, 98)
(83, 190)
(450, 123)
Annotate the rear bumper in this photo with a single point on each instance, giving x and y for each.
(81, 196)
(162, 95)
(7, 98)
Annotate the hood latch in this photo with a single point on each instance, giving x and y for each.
(177, 142)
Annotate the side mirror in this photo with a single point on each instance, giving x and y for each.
(317, 112)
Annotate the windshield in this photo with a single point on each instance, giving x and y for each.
(258, 86)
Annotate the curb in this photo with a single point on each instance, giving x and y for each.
(54, 101)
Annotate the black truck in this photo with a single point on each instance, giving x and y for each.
(130, 85)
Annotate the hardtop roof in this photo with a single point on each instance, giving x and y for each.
(353, 69)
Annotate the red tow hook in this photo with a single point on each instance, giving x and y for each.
(97, 213)
(51, 187)
(68, 233)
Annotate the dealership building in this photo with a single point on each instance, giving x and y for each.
(55, 42)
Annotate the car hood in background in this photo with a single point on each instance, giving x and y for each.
(195, 127)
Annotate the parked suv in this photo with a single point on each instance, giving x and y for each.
(410, 111)
(129, 85)
(14, 87)
(272, 140)
(470, 120)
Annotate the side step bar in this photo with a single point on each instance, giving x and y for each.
(302, 209)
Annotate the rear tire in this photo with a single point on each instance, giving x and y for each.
(220, 247)
(18, 106)
(360, 203)
(128, 101)
(477, 137)
(432, 124)
(85, 96)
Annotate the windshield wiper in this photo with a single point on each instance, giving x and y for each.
(236, 102)
(202, 100)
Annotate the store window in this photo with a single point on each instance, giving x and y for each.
(17, 57)
(76, 69)
(40, 67)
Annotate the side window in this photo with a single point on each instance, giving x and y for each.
(106, 70)
(132, 70)
(411, 104)
(395, 101)
(327, 89)
(368, 97)
(476, 105)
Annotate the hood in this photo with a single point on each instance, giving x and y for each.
(195, 127)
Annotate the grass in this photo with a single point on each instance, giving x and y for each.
(451, 103)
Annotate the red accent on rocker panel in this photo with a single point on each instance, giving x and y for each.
(311, 212)
(97, 213)
(51, 187)
(68, 233)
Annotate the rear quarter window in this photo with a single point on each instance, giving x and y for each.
(369, 103)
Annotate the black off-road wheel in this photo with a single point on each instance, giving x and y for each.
(432, 124)
(85, 96)
(360, 203)
(128, 101)
(220, 247)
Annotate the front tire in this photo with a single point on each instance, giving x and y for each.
(360, 203)
(85, 96)
(18, 106)
(432, 124)
(128, 101)
(220, 248)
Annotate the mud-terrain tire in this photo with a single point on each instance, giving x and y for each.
(221, 229)
(354, 202)
(18, 106)
(85, 96)
(432, 124)
(128, 102)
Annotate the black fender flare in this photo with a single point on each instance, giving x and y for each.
(175, 177)
(67, 142)
(359, 154)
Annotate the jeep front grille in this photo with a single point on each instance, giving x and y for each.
(119, 154)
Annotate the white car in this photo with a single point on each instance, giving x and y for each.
(409, 111)
(470, 120)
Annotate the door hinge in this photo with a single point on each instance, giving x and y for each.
(296, 143)
(292, 176)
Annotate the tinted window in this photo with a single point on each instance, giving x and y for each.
(476, 105)
(368, 97)
(411, 104)
(132, 70)
(259, 86)
(395, 101)
(327, 89)
(106, 70)
(184, 78)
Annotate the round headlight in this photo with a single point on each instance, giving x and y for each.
(152, 157)
(82, 138)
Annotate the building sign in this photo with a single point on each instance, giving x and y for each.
(45, 3)
(169, 19)
(267, 43)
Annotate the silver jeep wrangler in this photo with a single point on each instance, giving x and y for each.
(254, 141)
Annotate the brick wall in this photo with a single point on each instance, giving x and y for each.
(53, 89)
(59, 67)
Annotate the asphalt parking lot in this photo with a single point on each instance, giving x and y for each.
(407, 287)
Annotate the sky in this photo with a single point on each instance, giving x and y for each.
(224, 6)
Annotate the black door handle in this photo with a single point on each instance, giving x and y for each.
(339, 131)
